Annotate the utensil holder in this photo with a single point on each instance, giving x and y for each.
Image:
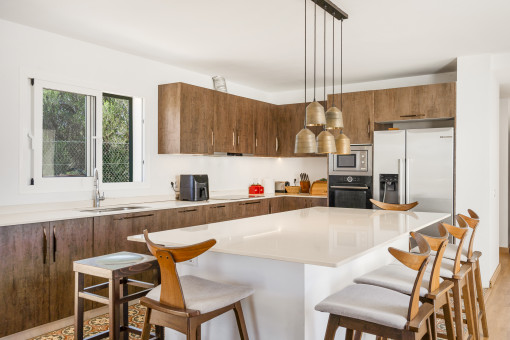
(305, 186)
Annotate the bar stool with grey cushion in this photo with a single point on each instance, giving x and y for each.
(472, 258)
(433, 290)
(184, 303)
(380, 311)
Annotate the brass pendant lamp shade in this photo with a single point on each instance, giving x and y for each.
(343, 144)
(334, 118)
(315, 115)
(305, 142)
(326, 142)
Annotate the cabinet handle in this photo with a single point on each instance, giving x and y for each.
(212, 137)
(256, 141)
(368, 128)
(187, 211)
(407, 116)
(219, 206)
(45, 245)
(257, 202)
(237, 139)
(233, 138)
(54, 245)
(131, 217)
(277, 144)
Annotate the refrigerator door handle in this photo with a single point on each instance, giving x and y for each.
(408, 179)
(401, 181)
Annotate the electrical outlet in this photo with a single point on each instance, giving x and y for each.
(193, 262)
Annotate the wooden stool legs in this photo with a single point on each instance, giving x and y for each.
(480, 298)
(243, 332)
(461, 292)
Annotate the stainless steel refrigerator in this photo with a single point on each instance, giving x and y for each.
(415, 165)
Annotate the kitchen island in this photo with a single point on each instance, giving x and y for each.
(293, 260)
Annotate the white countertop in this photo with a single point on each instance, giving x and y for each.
(36, 213)
(318, 236)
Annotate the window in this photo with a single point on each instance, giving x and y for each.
(117, 138)
(75, 130)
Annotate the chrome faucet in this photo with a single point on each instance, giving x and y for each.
(97, 195)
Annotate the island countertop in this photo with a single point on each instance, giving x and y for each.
(317, 236)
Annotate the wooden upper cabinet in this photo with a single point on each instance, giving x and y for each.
(416, 102)
(244, 112)
(186, 115)
(358, 115)
(261, 126)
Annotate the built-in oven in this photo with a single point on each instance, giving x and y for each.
(357, 163)
(350, 178)
(350, 191)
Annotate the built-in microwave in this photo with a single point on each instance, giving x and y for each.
(357, 163)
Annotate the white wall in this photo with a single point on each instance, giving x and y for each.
(477, 153)
(30, 52)
(504, 128)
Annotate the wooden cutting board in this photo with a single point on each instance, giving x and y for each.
(319, 188)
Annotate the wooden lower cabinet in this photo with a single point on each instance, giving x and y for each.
(190, 216)
(276, 205)
(24, 279)
(316, 202)
(218, 212)
(71, 240)
(250, 208)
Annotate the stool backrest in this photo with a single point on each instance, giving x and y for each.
(396, 207)
(472, 223)
(460, 234)
(438, 244)
(473, 214)
(171, 290)
(416, 262)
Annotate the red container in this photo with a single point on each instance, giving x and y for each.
(254, 189)
(261, 189)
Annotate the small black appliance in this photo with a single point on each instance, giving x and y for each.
(194, 188)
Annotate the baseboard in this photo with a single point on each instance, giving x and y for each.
(55, 325)
(495, 276)
(504, 250)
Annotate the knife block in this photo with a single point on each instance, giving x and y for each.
(305, 187)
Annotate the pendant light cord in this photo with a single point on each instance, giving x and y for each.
(333, 80)
(314, 49)
(342, 65)
(304, 123)
(325, 100)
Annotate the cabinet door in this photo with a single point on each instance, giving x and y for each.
(261, 124)
(218, 212)
(244, 110)
(191, 216)
(433, 101)
(273, 131)
(358, 116)
(316, 202)
(392, 104)
(24, 281)
(71, 240)
(276, 205)
(290, 122)
(224, 123)
(196, 120)
(294, 203)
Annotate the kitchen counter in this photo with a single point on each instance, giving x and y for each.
(309, 236)
(292, 260)
(36, 213)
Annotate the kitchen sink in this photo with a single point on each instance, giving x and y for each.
(102, 210)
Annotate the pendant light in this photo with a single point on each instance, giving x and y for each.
(334, 117)
(315, 115)
(343, 143)
(305, 139)
(325, 140)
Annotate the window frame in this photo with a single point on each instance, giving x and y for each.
(31, 142)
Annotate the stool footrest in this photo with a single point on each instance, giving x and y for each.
(134, 296)
(96, 287)
(140, 284)
(94, 297)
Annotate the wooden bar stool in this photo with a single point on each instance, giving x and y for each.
(184, 303)
(433, 290)
(472, 258)
(396, 207)
(380, 311)
(116, 268)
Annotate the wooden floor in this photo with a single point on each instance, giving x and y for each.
(498, 303)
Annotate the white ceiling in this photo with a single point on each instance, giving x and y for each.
(260, 43)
